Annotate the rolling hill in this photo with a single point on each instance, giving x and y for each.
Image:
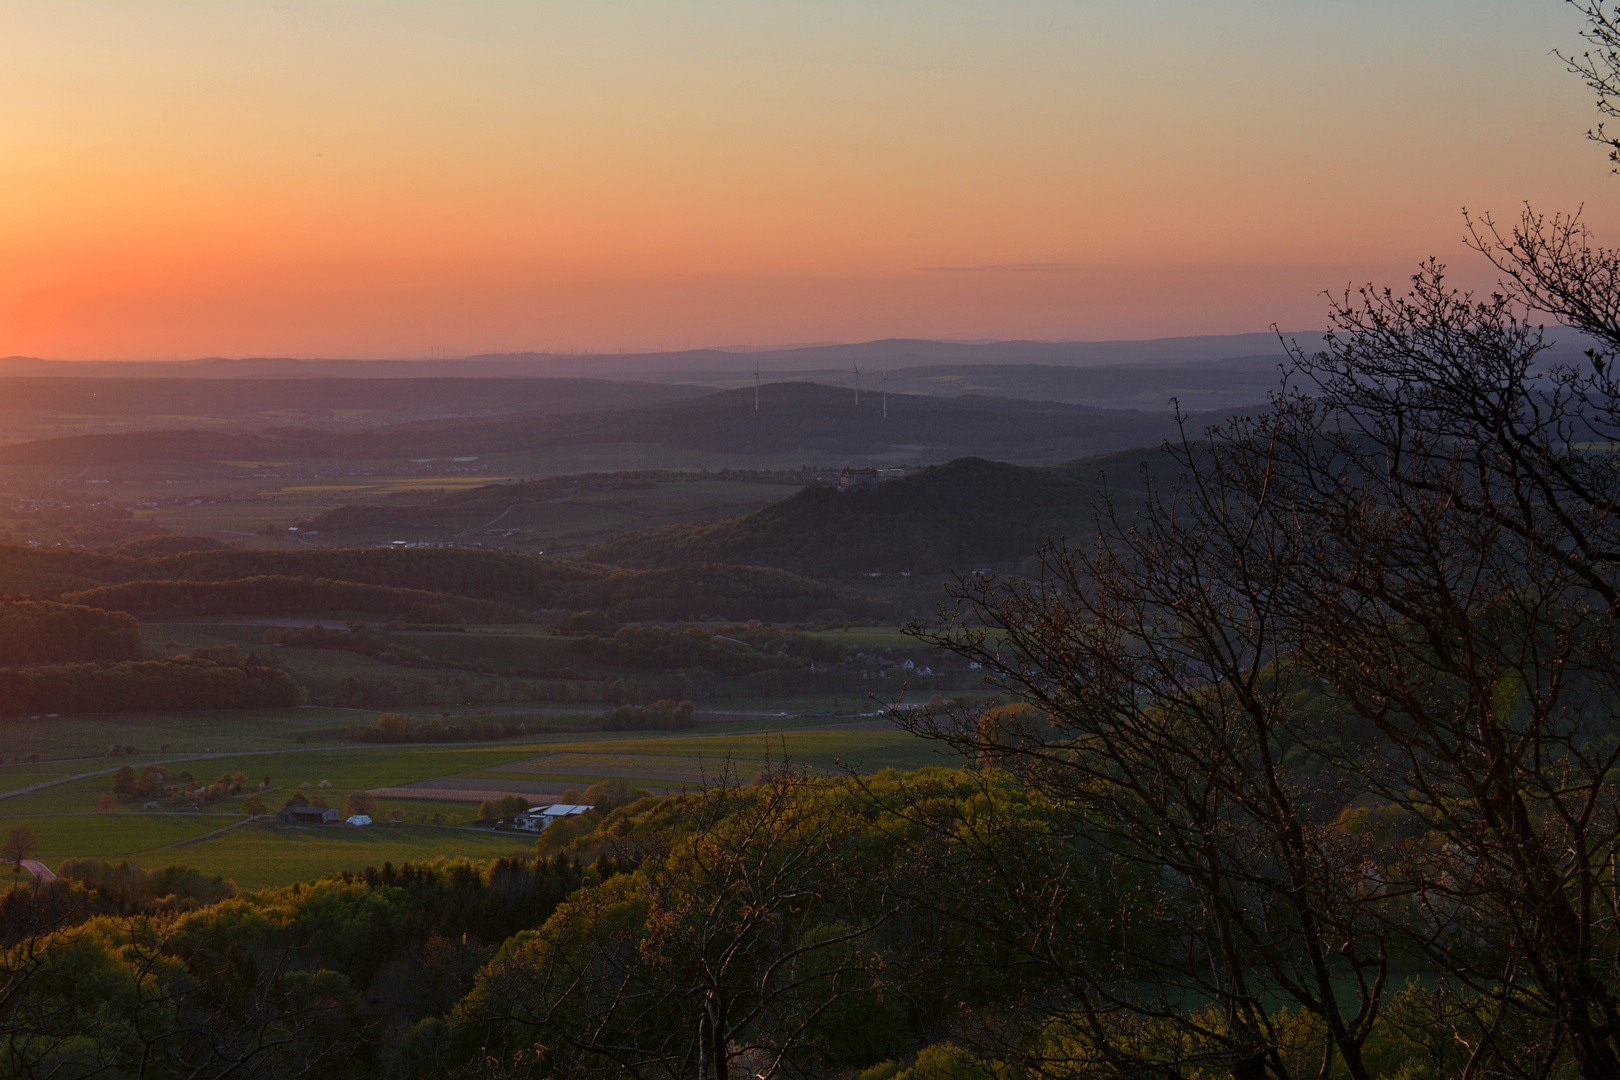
(35, 407)
(963, 515)
(820, 422)
(891, 351)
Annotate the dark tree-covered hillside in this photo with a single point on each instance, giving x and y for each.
(38, 632)
(964, 515)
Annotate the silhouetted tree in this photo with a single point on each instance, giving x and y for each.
(20, 843)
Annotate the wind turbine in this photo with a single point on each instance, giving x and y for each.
(756, 386)
(857, 368)
(885, 393)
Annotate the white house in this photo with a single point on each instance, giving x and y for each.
(536, 818)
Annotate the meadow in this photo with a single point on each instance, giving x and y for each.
(75, 774)
(235, 500)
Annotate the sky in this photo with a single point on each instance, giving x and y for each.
(412, 179)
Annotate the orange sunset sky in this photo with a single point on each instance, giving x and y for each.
(382, 179)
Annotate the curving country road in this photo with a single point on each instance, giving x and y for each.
(40, 871)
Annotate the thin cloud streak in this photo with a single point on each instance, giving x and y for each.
(1008, 268)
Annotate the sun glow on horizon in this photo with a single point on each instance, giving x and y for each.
(370, 179)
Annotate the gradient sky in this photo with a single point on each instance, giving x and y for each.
(385, 179)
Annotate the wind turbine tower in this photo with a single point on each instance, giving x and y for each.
(756, 386)
(885, 393)
(857, 368)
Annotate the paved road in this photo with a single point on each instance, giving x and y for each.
(39, 870)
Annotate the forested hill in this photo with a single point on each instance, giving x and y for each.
(793, 417)
(963, 515)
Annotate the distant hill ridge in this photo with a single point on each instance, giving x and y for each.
(891, 350)
(793, 417)
(138, 393)
(964, 515)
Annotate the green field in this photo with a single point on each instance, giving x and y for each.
(259, 855)
(66, 818)
(113, 835)
(68, 738)
(650, 757)
(226, 498)
(475, 654)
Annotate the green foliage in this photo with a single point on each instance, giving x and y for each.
(795, 643)
(562, 836)
(1417, 1038)
(607, 796)
(755, 896)
(277, 595)
(943, 1061)
(355, 639)
(394, 728)
(327, 967)
(585, 622)
(657, 647)
(505, 807)
(733, 650)
(961, 515)
(359, 802)
(181, 789)
(19, 843)
(123, 782)
(40, 632)
(426, 969)
(146, 686)
(664, 715)
(86, 888)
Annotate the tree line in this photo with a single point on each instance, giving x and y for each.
(891, 925)
(280, 595)
(394, 728)
(39, 632)
(102, 976)
(66, 658)
(146, 686)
